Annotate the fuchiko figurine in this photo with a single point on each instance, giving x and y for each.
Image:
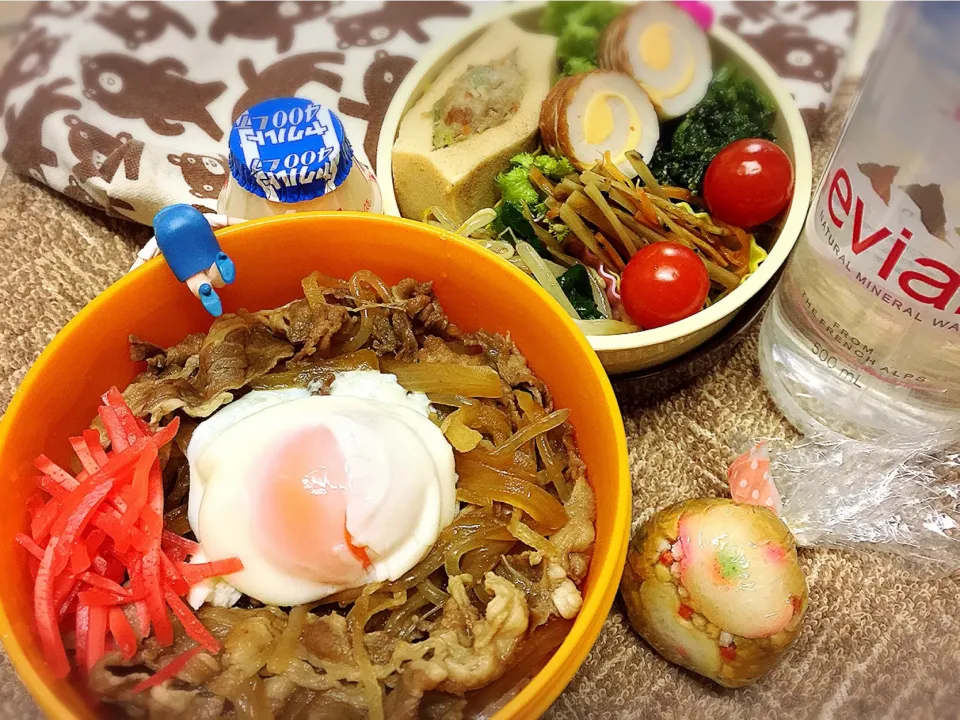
(191, 250)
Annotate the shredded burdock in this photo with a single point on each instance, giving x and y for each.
(457, 634)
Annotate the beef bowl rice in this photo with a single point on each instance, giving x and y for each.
(344, 505)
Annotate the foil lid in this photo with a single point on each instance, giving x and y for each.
(289, 150)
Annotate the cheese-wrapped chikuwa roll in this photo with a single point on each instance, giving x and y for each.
(587, 115)
(664, 49)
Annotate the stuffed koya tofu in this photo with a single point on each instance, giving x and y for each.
(482, 110)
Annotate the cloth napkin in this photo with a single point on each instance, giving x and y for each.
(126, 106)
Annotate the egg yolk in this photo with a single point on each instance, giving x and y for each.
(656, 46)
(304, 487)
(657, 51)
(598, 121)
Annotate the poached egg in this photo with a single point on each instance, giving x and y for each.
(319, 493)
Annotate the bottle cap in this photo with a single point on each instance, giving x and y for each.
(289, 150)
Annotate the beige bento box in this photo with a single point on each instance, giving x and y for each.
(645, 349)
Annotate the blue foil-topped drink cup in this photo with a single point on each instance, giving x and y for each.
(292, 155)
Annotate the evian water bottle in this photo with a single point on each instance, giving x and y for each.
(863, 335)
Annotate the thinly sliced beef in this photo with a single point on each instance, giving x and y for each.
(200, 374)
(509, 363)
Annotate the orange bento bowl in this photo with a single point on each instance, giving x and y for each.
(59, 396)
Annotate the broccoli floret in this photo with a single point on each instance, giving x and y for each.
(553, 168)
(577, 65)
(515, 185)
(516, 188)
(595, 14)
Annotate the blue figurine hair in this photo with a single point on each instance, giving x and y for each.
(186, 240)
(190, 248)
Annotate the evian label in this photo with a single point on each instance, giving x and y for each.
(892, 240)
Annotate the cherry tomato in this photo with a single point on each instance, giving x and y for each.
(748, 182)
(664, 282)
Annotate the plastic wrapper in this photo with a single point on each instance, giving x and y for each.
(898, 495)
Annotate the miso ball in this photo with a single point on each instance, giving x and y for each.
(715, 586)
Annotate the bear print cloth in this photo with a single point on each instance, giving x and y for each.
(126, 106)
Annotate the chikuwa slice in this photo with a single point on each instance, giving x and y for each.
(588, 115)
(664, 49)
(715, 586)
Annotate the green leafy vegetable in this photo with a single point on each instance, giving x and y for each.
(575, 284)
(578, 26)
(511, 225)
(577, 65)
(733, 109)
(578, 41)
